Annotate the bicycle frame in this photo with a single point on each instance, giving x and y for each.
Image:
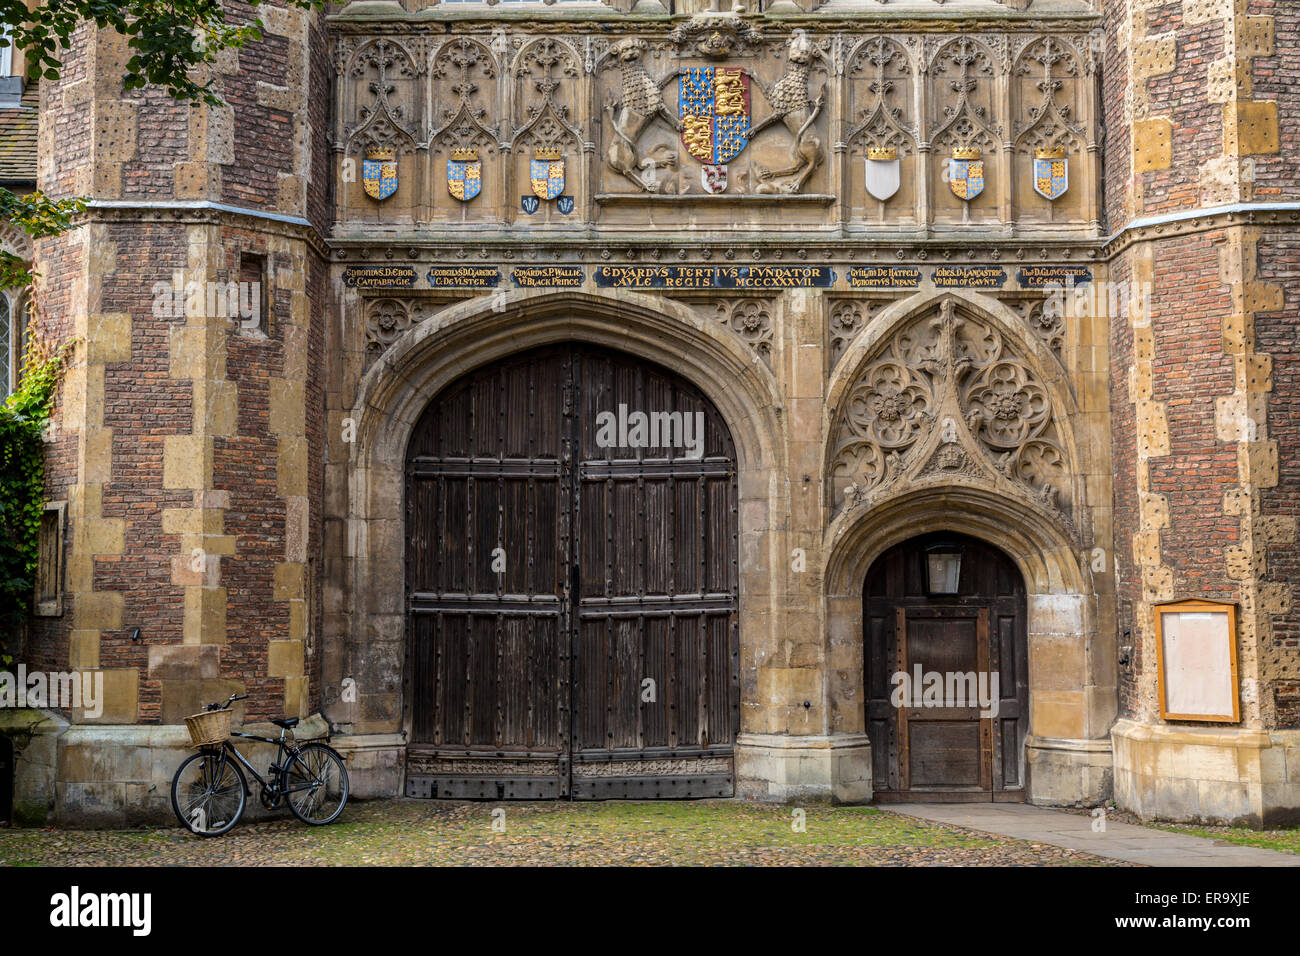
(282, 750)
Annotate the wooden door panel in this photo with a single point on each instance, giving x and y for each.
(942, 644)
(944, 753)
(487, 676)
(946, 750)
(659, 527)
(620, 565)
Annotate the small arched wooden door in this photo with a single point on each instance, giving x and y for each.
(946, 672)
(571, 603)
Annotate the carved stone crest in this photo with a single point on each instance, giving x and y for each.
(797, 109)
(638, 103)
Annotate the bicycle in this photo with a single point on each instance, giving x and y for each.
(210, 791)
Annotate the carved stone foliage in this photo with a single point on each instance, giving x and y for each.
(386, 320)
(751, 319)
(715, 35)
(847, 318)
(1045, 317)
(948, 397)
(882, 91)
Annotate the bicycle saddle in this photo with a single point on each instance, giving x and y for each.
(285, 722)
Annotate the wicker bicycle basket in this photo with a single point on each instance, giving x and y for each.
(210, 728)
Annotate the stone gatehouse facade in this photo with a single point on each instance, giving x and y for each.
(1009, 283)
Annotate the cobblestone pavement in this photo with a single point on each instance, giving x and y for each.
(425, 832)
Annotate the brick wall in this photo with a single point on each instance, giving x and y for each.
(186, 444)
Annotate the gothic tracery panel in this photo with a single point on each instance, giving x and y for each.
(948, 396)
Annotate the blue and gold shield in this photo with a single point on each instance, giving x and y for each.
(966, 174)
(464, 174)
(1051, 173)
(546, 173)
(379, 172)
(714, 105)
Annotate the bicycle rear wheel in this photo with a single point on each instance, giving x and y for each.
(316, 784)
(209, 793)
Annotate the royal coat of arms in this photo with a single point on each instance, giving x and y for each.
(546, 173)
(883, 177)
(464, 174)
(1051, 172)
(714, 102)
(379, 172)
(966, 173)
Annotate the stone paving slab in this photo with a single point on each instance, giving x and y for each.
(1073, 831)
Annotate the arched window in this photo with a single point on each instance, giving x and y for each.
(8, 340)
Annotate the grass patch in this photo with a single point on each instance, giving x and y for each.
(424, 832)
(1284, 840)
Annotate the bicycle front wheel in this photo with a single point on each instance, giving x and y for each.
(209, 793)
(316, 784)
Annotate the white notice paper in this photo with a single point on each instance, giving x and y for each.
(1197, 656)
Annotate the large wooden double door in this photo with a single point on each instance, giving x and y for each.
(946, 730)
(571, 603)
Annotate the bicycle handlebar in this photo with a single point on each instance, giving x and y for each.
(226, 706)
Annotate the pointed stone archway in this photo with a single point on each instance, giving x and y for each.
(945, 416)
(365, 636)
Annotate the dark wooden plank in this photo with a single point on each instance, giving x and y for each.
(901, 713)
(986, 723)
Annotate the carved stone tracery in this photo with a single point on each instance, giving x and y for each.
(751, 319)
(1047, 73)
(949, 394)
(547, 71)
(387, 70)
(464, 67)
(965, 69)
(880, 73)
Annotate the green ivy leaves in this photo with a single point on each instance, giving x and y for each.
(23, 419)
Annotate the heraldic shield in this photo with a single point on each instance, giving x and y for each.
(883, 177)
(546, 173)
(713, 178)
(966, 173)
(464, 174)
(714, 105)
(379, 172)
(1051, 173)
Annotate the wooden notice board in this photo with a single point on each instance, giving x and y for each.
(1196, 661)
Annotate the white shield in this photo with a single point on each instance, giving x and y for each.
(713, 178)
(882, 178)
